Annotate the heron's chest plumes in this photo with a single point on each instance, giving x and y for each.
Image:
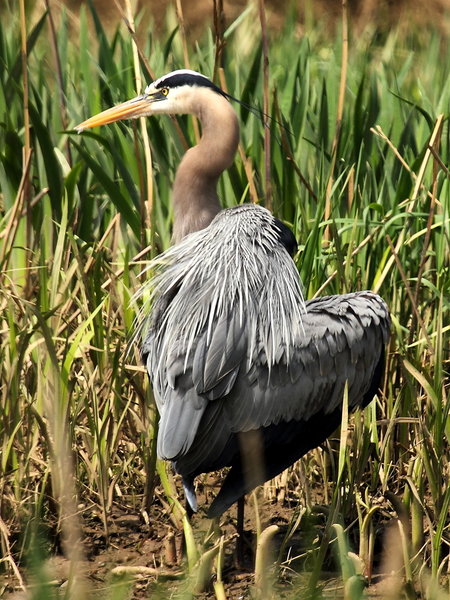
(234, 274)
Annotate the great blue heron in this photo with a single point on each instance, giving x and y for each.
(245, 373)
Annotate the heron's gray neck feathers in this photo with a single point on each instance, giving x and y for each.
(195, 200)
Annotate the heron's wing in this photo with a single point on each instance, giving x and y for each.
(218, 357)
(342, 342)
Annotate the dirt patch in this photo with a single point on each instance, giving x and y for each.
(148, 549)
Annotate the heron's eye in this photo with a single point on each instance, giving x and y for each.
(164, 91)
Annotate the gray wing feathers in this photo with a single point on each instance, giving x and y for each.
(217, 395)
(216, 361)
(343, 341)
(179, 422)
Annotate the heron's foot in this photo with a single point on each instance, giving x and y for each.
(245, 551)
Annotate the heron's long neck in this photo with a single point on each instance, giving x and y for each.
(195, 200)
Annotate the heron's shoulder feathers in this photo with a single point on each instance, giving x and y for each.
(235, 269)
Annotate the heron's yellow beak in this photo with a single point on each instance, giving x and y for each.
(132, 109)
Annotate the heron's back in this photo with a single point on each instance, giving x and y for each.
(232, 350)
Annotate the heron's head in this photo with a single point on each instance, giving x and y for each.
(177, 92)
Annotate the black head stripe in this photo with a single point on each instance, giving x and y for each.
(179, 79)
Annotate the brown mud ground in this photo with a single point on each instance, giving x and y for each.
(133, 539)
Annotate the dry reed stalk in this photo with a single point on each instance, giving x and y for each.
(26, 150)
(266, 107)
(187, 64)
(246, 160)
(219, 42)
(340, 112)
(63, 477)
(426, 242)
(59, 76)
(148, 195)
(10, 230)
(412, 201)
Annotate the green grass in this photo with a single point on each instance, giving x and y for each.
(76, 414)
